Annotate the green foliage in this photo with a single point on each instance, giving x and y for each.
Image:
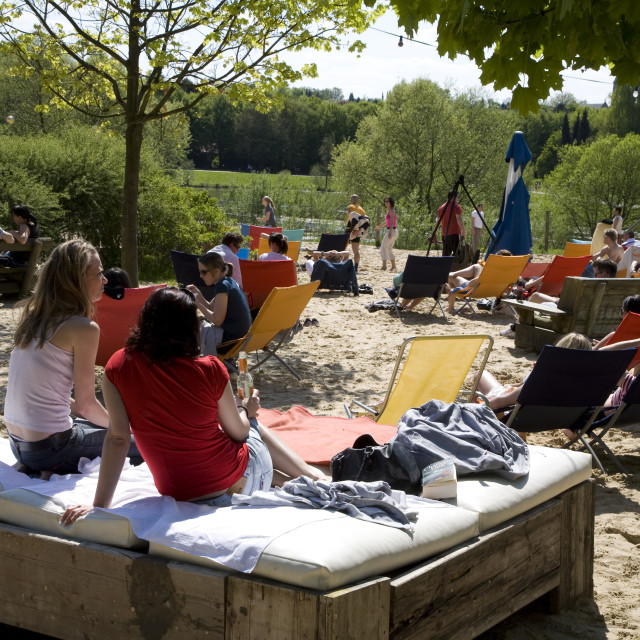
(550, 155)
(524, 46)
(624, 112)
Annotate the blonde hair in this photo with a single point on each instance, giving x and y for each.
(60, 293)
(215, 260)
(269, 201)
(612, 234)
(575, 341)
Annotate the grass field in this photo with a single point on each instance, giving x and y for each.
(221, 179)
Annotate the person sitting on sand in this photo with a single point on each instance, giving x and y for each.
(201, 444)
(56, 342)
(278, 247)
(329, 256)
(229, 247)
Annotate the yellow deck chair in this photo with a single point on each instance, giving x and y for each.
(435, 368)
(292, 252)
(497, 274)
(278, 315)
(597, 240)
(577, 250)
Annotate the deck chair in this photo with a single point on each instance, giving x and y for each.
(565, 387)
(497, 274)
(435, 368)
(628, 329)
(560, 268)
(278, 315)
(597, 240)
(244, 229)
(116, 318)
(576, 250)
(185, 266)
(336, 276)
(333, 242)
(255, 231)
(260, 277)
(534, 270)
(294, 235)
(292, 252)
(424, 277)
(627, 414)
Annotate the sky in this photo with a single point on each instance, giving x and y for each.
(383, 64)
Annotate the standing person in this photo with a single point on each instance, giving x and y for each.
(450, 215)
(477, 216)
(231, 244)
(27, 228)
(390, 236)
(269, 218)
(617, 219)
(227, 314)
(56, 342)
(357, 224)
(201, 444)
(278, 247)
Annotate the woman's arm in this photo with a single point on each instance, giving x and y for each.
(114, 451)
(219, 313)
(84, 338)
(533, 283)
(22, 235)
(617, 346)
(6, 236)
(234, 422)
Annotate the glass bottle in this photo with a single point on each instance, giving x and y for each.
(245, 380)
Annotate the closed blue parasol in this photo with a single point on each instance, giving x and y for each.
(512, 231)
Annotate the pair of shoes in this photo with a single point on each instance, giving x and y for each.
(311, 322)
(508, 333)
(365, 288)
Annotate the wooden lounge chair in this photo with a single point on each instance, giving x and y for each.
(560, 268)
(564, 386)
(498, 273)
(424, 277)
(185, 266)
(278, 315)
(116, 318)
(435, 368)
(260, 277)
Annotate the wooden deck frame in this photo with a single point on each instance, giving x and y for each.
(76, 590)
(19, 279)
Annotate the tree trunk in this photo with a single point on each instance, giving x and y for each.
(129, 225)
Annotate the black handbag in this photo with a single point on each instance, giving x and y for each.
(367, 461)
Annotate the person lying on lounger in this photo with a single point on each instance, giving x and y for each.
(201, 443)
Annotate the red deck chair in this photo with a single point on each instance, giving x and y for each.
(534, 270)
(116, 318)
(259, 277)
(255, 231)
(559, 269)
(628, 329)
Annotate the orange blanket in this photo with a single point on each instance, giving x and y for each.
(318, 438)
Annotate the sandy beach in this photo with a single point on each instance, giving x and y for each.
(351, 354)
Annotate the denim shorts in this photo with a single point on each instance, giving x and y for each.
(62, 451)
(259, 471)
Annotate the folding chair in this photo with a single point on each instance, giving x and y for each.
(116, 318)
(333, 242)
(278, 315)
(260, 277)
(435, 368)
(576, 250)
(292, 252)
(560, 268)
(244, 229)
(628, 329)
(294, 235)
(626, 415)
(534, 270)
(185, 266)
(498, 273)
(255, 231)
(336, 276)
(424, 277)
(564, 386)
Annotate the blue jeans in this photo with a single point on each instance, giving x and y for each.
(259, 471)
(61, 452)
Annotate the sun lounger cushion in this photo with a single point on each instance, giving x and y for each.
(340, 550)
(496, 500)
(30, 510)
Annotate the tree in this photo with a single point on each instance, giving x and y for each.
(575, 130)
(566, 130)
(585, 127)
(139, 53)
(524, 46)
(624, 112)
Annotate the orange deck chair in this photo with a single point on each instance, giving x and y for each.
(628, 329)
(260, 277)
(560, 268)
(576, 250)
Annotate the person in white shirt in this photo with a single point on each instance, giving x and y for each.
(231, 243)
(477, 217)
(278, 247)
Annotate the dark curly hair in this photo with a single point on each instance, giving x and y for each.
(168, 326)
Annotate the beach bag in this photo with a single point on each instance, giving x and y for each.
(367, 461)
(463, 256)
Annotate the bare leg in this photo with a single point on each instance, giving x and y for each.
(286, 460)
(393, 265)
(384, 265)
(356, 252)
(541, 297)
(488, 382)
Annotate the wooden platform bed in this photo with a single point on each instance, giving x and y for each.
(78, 590)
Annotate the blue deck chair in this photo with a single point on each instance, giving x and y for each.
(424, 277)
(185, 266)
(566, 389)
(333, 242)
(339, 276)
(293, 235)
(244, 229)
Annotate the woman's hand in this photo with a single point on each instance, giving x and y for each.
(196, 292)
(71, 514)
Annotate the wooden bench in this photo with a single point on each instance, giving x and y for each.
(590, 306)
(18, 279)
(75, 590)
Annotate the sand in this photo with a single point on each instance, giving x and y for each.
(351, 354)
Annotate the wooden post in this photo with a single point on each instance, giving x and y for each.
(546, 231)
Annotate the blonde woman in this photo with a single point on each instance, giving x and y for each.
(54, 356)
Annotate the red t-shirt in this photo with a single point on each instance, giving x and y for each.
(173, 411)
(449, 224)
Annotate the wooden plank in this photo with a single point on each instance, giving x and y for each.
(458, 595)
(75, 590)
(534, 338)
(359, 612)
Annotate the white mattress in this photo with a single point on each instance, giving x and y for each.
(496, 500)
